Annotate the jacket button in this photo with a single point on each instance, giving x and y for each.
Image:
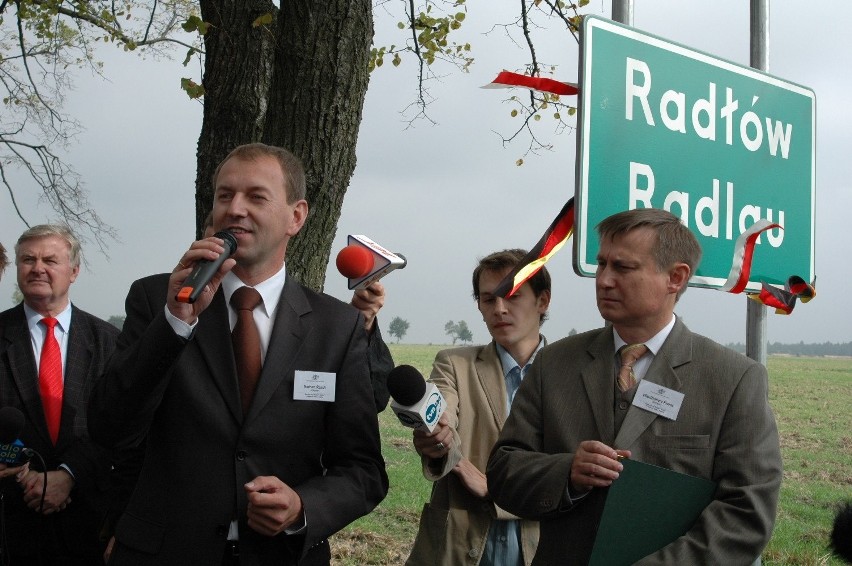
(623, 405)
(241, 455)
(473, 552)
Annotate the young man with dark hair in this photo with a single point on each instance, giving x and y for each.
(461, 524)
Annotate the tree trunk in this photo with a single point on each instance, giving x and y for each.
(315, 106)
(298, 83)
(237, 73)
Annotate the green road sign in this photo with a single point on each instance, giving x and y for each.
(718, 144)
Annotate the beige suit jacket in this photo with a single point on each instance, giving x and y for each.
(725, 432)
(454, 523)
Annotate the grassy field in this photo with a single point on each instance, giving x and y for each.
(810, 396)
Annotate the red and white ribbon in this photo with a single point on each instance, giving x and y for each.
(743, 252)
(507, 79)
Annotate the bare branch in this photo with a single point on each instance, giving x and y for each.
(150, 21)
(12, 195)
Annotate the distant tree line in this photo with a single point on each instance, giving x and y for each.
(802, 349)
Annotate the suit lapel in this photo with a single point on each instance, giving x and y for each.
(488, 364)
(25, 371)
(77, 366)
(288, 333)
(599, 389)
(215, 346)
(676, 351)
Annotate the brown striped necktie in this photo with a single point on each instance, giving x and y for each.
(246, 340)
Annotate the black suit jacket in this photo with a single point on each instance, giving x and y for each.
(182, 397)
(90, 342)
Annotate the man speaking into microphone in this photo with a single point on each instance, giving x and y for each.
(254, 400)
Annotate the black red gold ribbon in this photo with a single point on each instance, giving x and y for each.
(553, 239)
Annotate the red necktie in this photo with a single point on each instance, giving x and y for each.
(629, 355)
(246, 341)
(50, 379)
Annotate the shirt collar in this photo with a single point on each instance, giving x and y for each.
(656, 341)
(270, 290)
(508, 362)
(63, 319)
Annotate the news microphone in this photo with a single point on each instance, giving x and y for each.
(12, 450)
(363, 261)
(205, 270)
(417, 403)
(354, 261)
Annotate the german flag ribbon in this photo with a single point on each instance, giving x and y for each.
(507, 79)
(782, 299)
(553, 239)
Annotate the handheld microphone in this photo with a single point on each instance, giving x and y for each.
(417, 403)
(363, 262)
(205, 270)
(12, 450)
(354, 261)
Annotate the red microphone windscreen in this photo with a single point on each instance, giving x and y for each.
(354, 261)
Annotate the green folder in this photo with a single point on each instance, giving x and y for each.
(646, 508)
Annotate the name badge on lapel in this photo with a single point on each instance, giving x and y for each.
(658, 399)
(314, 386)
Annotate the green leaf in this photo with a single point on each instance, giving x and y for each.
(189, 55)
(194, 23)
(192, 89)
(263, 20)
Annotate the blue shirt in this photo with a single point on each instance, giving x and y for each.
(503, 547)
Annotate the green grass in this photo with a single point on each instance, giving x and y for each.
(811, 399)
(810, 396)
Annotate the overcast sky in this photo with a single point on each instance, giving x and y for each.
(444, 195)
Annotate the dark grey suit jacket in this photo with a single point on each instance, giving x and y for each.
(90, 342)
(200, 449)
(725, 432)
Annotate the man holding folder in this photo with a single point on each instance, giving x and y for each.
(642, 387)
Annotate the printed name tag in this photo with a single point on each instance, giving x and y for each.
(658, 399)
(314, 386)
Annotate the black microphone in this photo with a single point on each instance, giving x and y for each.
(12, 450)
(416, 402)
(205, 270)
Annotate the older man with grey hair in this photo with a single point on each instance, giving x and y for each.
(51, 353)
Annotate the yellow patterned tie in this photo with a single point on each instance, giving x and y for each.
(628, 355)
